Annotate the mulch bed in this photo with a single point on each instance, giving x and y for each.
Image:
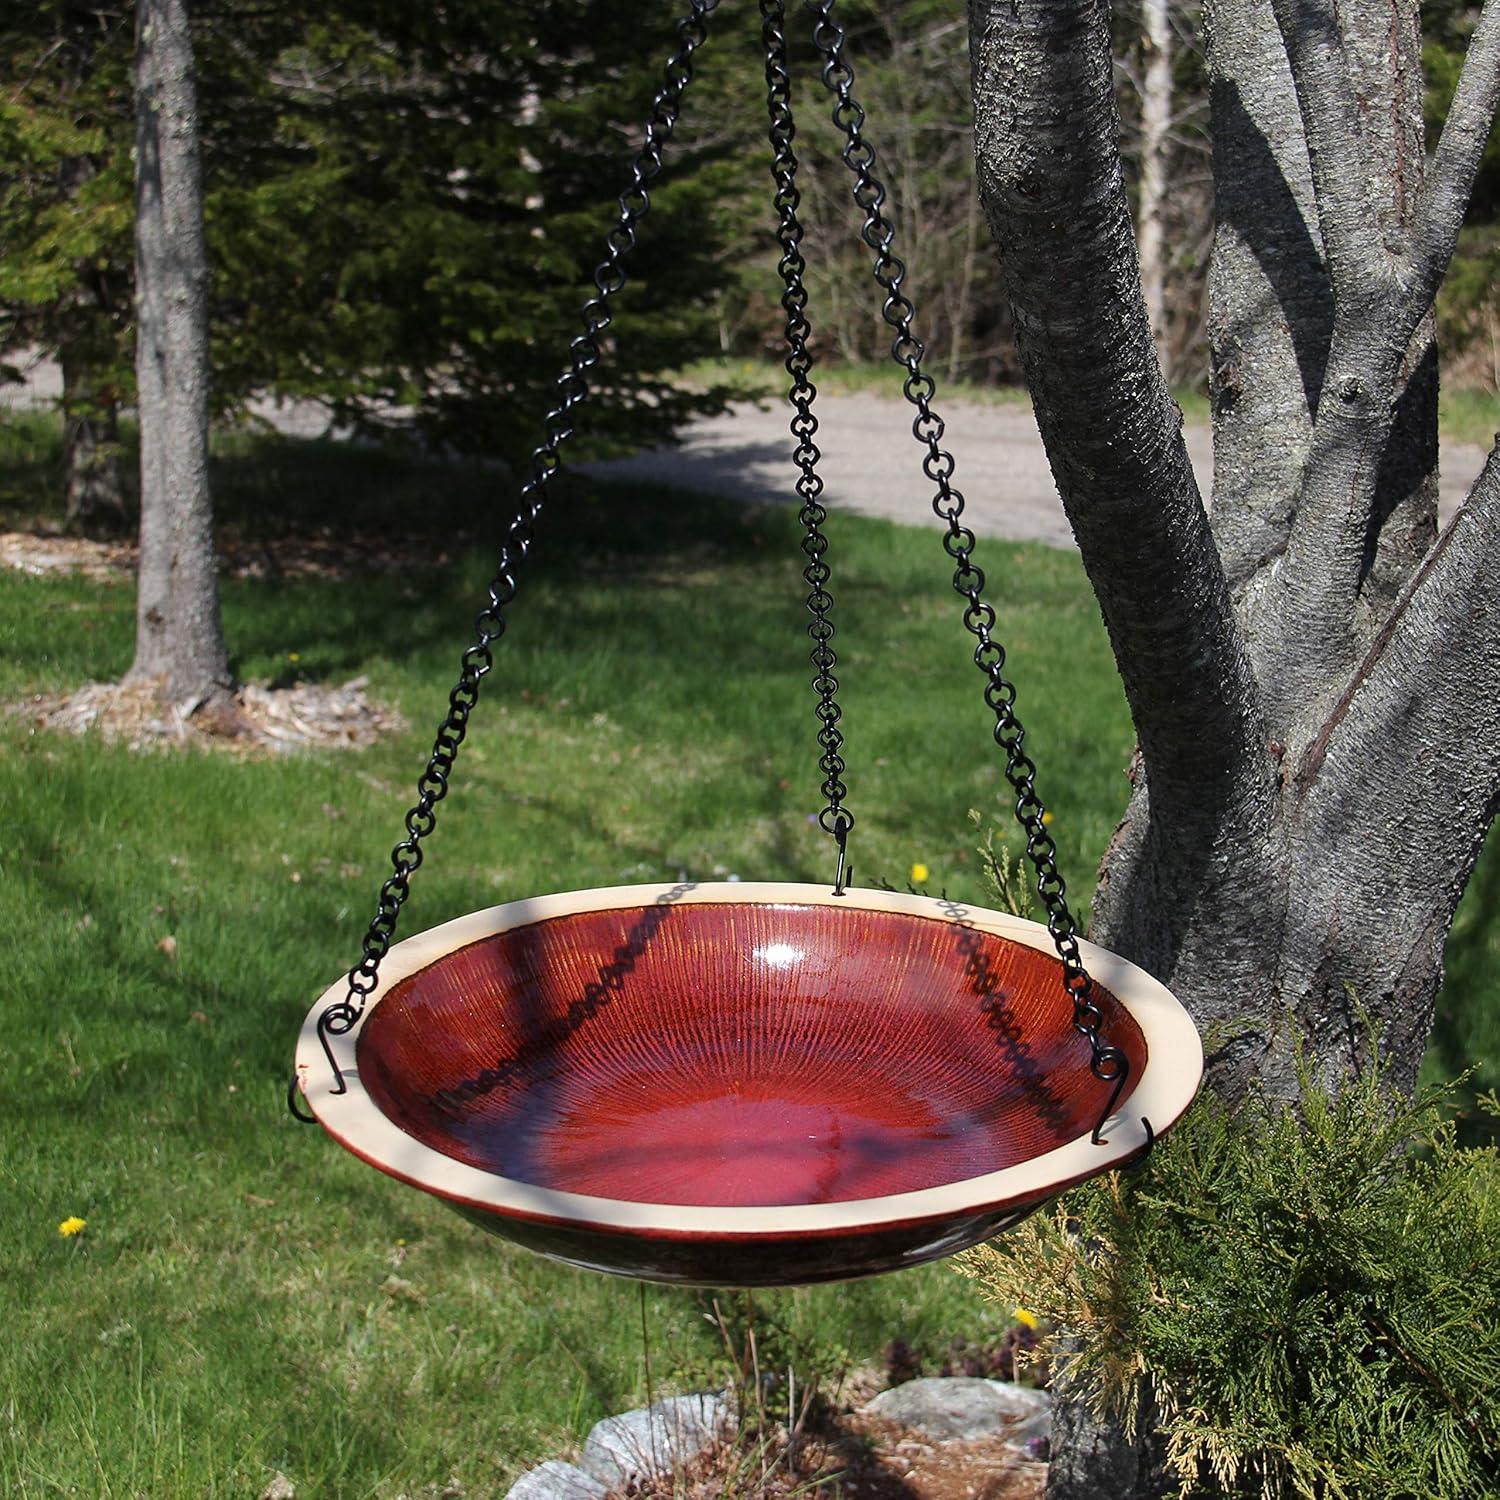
(263, 721)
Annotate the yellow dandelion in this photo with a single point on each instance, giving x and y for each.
(1046, 818)
(918, 874)
(71, 1226)
(1025, 1319)
(294, 656)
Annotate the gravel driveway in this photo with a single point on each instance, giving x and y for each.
(872, 464)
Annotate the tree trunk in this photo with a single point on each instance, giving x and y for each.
(179, 638)
(1156, 122)
(91, 452)
(1315, 682)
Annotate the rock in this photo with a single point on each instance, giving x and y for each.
(653, 1440)
(556, 1481)
(950, 1408)
(280, 1488)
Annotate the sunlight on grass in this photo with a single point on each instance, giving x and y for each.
(245, 1298)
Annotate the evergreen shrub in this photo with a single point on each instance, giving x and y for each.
(1304, 1298)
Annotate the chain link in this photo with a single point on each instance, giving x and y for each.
(489, 625)
(835, 819)
(1108, 1062)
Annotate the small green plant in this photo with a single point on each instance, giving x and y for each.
(1004, 874)
(1308, 1293)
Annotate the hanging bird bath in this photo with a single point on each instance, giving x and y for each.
(743, 1084)
(748, 1084)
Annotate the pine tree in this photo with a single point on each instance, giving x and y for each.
(403, 206)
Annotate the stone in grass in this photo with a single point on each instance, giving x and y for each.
(958, 1407)
(653, 1440)
(554, 1480)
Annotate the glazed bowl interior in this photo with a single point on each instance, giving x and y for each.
(738, 1055)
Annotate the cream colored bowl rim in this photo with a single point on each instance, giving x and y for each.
(1162, 1091)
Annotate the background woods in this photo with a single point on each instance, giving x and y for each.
(460, 159)
(400, 207)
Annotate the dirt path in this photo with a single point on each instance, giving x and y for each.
(872, 464)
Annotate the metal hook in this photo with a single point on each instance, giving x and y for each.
(1138, 1161)
(293, 1093)
(1109, 1105)
(339, 1086)
(843, 872)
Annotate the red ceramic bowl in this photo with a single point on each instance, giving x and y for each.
(743, 1085)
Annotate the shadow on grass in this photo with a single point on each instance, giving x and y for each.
(445, 522)
(268, 485)
(271, 486)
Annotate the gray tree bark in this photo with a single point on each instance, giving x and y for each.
(1314, 675)
(179, 637)
(1156, 124)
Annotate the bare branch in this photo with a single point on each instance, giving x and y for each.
(1051, 184)
(1455, 163)
(1325, 597)
(1310, 608)
(1336, 148)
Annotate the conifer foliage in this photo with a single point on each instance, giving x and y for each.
(1306, 1294)
(403, 206)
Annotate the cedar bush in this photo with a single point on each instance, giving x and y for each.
(1304, 1296)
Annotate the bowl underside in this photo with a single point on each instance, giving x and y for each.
(738, 1055)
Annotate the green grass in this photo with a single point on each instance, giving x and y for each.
(228, 1311)
(767, 380)
(1468, 415)
(222, 1317)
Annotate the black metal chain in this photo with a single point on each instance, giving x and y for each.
(489, 625)
(835, 819)
(1108, 1062)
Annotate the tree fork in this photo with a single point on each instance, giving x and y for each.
(1309, 801)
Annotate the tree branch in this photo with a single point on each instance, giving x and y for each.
(1455, 164)
(1051, 185)
(1340, 159)
(1432, 625)
(1270, 305)
(1410, 755)
(1321, 603)
(1309, 609)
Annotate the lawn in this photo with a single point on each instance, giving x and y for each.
(247, 1298)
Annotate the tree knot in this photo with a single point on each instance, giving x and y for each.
(1028, 184)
